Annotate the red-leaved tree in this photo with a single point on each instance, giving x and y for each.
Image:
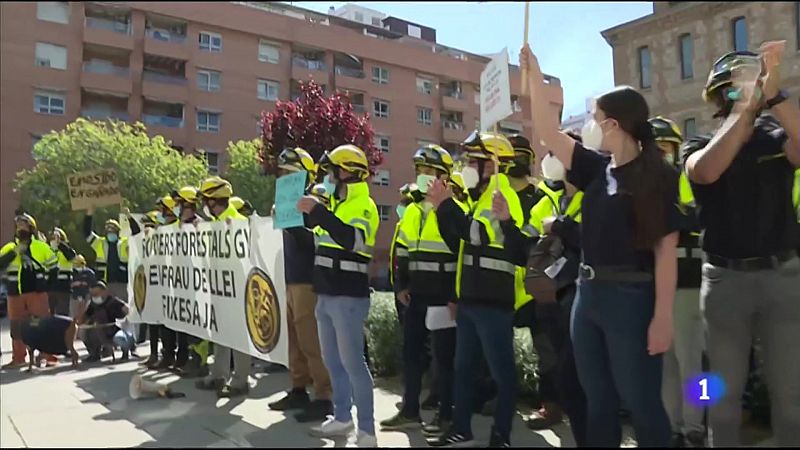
(317, 124)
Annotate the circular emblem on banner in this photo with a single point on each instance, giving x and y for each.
(262, 311)
(139, 289)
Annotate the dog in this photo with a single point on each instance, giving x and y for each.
(54, 335)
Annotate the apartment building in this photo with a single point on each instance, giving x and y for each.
(201, 75)
(667, 55)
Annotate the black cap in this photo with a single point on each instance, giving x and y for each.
(100, 284)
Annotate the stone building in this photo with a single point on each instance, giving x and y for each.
(667, 55)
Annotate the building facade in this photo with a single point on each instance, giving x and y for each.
(201, 76)
(667, 55)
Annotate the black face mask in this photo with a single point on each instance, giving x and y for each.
(24, 235)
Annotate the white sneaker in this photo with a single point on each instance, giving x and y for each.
(332, 428)
(362, 440)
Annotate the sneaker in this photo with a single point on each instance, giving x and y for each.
(164, 364)
(316, 411)
(696, 439)
(436, 427)
(92, 358)
(455, 440)
(362, 440)
(210, 385)
(431, 403)
(497, 441)
(14, 365)
(294, 399)
(401, 422)
(151, 361)
(229, 391)
(332, 428)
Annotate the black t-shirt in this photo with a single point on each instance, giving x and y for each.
(748, 211)
(107, 312)
(607, 228)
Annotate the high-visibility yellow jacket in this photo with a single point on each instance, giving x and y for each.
(39, 258)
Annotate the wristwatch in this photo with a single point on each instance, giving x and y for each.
(780, 98)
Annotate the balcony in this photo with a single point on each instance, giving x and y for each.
(309, 64)
(176, 80)
(108, 32)
(167, 87)
(104, 76)
(349, 72)
(162, 121)
(102, 114)
(164, 42)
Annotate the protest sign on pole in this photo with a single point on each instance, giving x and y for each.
(288, 190)
(217, 281)
(495, 91)
(93, 188)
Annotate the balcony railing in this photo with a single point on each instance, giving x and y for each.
(452, 124)
(310, 64)
(108, 24)
(165, 36)
(454, 94)
(107, 69)
(359, 108)
(164, 121)
(349, 72)
(164, 78)
(103, 115)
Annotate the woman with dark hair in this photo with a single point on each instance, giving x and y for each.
(622, 315)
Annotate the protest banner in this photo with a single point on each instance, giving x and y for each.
(218, 281)
(93, 188)
(495, 91)
(288, 190)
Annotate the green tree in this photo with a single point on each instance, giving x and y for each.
(245, 173)
(146, 167)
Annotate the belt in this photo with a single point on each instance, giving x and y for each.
(345, 266)
(751, 264)
(613, 273)
(424, 266)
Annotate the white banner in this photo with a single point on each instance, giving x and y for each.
(217, 281)
(495, 91)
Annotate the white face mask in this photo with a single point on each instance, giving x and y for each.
(207, 211)
(177, 211)
(97, 300)
(423, 181)
(53, 245)
(670, 157)
(592, 135)
(470, 176)
(552, 169)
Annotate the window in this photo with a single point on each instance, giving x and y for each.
(381, 178)
(740, 41)
(268, 90)
(414, 31)
(424, 116)
(644, 67)
(57, 12)
(380, 75)
(208, 121)
(48, 102)
(384, 211)
(269, 52)
(382, 142)
(52, 56)
(376, 21)
(687, 57)
(358, 17)
(424, 86)
(210, 42)
(208, 80)
(212, 159)
(381, 108)
(689, 128)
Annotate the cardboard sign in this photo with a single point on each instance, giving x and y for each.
(93, 188)
(288, 191)
(495, 91)
(216, 281)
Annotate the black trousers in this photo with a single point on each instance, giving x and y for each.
(414, 336)
(444, 354)
(174, 345)
(154, 333)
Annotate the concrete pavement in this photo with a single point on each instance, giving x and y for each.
(90, 407)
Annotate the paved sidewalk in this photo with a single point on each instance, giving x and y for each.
(90, 407)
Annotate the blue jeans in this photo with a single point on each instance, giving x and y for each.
(609, 334)
(125, 341)
(489, 332)
(340, 322)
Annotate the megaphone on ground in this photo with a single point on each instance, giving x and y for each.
(140, 388)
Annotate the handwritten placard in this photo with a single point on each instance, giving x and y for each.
(98, 187)
(288, 190)
(495, 91)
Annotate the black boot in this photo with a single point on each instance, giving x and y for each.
(294, 399)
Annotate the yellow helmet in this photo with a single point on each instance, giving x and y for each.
(319, 191)
(666, 130)
(297, 159)
(166, 202)
(62, 233)
(150, 218)
(79, 260)
(27, 218)
(216, 187)
(457, 181)
(348, 157)
(432, 155)
(484, 145)
(186, 194)
(236, 202)
(113, 224)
